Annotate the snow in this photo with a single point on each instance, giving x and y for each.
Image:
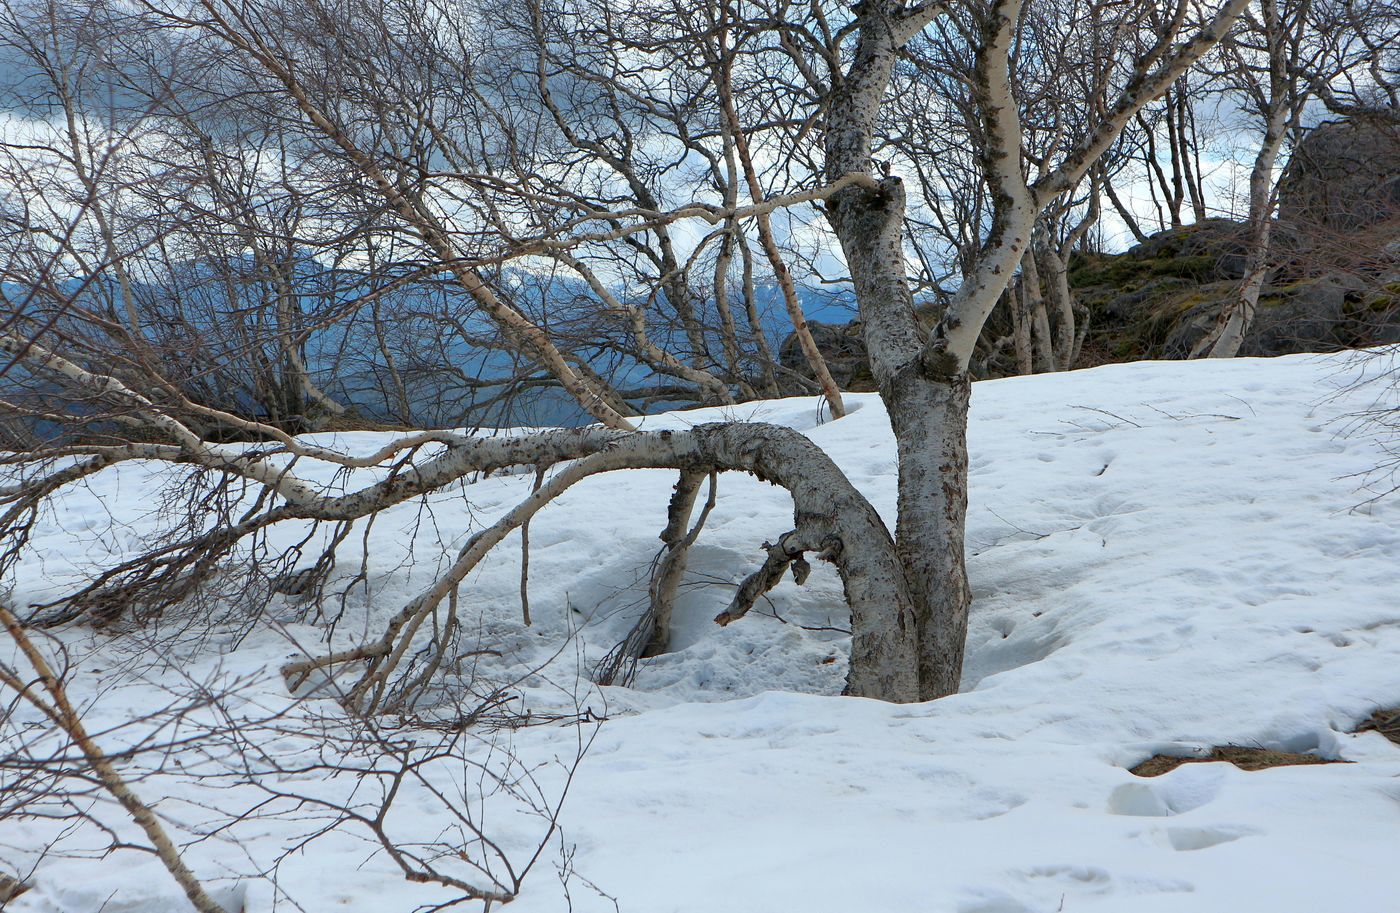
(1164, 557)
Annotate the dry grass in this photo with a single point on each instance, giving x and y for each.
(1386, 722)
(1243, 758)
(10, 888)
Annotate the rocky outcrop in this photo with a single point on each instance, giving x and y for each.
(1344, 176)
(1318, 314)
(1162, 297)
(843, 347)
(1335, 249)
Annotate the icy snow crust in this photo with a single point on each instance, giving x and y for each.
(1164, 557)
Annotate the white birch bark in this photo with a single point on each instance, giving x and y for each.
(1282, 106)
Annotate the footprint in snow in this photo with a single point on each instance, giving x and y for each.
(1189, 839)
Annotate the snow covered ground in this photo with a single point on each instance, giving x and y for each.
(1164, 557)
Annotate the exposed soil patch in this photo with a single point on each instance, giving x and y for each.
(1386, 722)
(1243, 758)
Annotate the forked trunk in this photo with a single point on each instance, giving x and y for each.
(928, 409)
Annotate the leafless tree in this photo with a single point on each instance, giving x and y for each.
(1264, 59)
(1175, 176)
(1277, 59)
(356, 91)
(42, 688)
(1358, 72)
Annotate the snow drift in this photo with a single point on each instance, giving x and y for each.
(1165, 557)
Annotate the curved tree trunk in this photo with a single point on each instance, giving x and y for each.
(832, 520)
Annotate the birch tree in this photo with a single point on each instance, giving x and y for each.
(1279, 57)
(799, 96)
(1264, 56)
